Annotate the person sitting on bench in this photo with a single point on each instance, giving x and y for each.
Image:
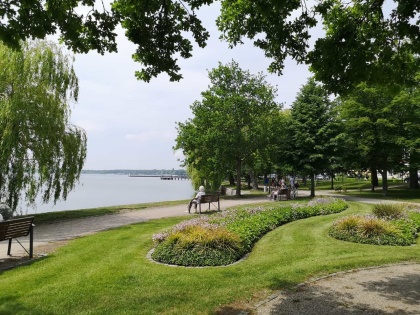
(195, 199)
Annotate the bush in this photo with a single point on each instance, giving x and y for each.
(389, 211)
(414, 216)
(349, 224)
(6, 212)
(389, 226)
(224, 237)
(199, 246)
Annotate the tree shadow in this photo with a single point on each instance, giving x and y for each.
(402, 293)
(404, 289)
(17, 261)
(10, 305)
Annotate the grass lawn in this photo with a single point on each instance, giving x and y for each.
(109, 273)
(397, 190)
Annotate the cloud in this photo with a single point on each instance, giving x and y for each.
(149, 136)
(89, 125)
(132, 124)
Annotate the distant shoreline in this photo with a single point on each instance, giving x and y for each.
(154, 172)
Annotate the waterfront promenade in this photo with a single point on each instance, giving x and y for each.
(69, 229)
(391, 289)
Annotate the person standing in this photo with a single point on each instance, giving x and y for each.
(195, 200)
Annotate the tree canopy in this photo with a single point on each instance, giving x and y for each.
(40, 151)
(313, 130)
(231, 123)
(383, 130)
(366, 40)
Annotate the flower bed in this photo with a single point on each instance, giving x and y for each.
(225, 237)
(396, 225)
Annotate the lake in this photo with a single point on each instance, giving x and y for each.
(101, 190)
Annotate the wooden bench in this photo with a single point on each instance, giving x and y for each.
(12, 229)
(209, 199)
(283, 194)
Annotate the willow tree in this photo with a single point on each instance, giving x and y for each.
(40, 151)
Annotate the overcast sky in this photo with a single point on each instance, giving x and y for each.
(131, 124)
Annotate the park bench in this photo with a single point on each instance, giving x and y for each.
(210, 199)
(283, 194)
(12, 229)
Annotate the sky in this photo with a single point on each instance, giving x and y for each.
(131, 124)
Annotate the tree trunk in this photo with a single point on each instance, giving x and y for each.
(313, 185)
(254, 179)
(384, 174)
(231, 179)
(332, 180)
(238, 177)
(414, 179)
(374, 178)
(248, 181)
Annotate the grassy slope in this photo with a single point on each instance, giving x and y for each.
(108, 273)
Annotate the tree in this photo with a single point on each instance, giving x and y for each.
(358, 32)
(360, 39)
(230, 124)
(374, 126)
(364, 44)
(40, 151)
(158, 27)
(313, 130)
(406, 109)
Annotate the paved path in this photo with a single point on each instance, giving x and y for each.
(373, 291)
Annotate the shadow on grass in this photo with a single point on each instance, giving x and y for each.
(233, 310)
(17, 261)
(10, 305)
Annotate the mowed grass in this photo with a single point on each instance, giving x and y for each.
(397, 190)
(109, 273)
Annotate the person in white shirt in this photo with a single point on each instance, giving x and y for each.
(196, 198)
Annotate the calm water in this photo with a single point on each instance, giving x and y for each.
(98, 190)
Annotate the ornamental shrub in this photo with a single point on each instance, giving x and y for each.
(389, 211)
(393, 225)
(225, 237)
(199, 246)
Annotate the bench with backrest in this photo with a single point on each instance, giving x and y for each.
(210, 199)
(283, 194)
(12, 229)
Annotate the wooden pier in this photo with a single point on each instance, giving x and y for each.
(163, 177)
(173, 177)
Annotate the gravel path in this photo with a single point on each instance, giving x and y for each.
(383, 290)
